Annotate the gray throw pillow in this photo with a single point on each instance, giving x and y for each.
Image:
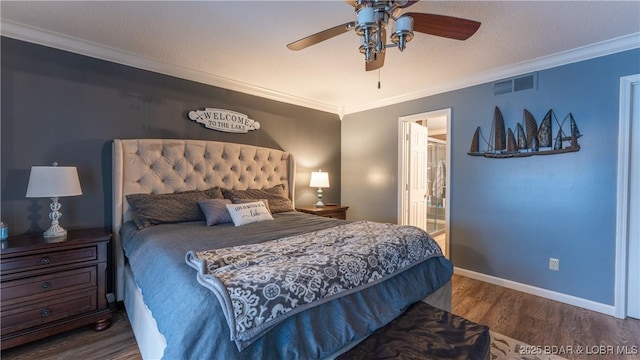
(153, 209)
(215, 211)
(278, 200)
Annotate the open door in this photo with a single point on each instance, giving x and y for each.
(417, 136)
(415, 133)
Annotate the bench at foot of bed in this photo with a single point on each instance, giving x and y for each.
(425, 332)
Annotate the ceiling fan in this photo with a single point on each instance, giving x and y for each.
(371, 25)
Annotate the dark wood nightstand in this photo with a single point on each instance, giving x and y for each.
(333, 211)
(51, 285)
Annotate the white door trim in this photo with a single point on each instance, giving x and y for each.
(401, 156)
(622, 192)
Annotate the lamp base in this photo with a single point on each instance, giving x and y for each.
(54, 231)
(319, 204)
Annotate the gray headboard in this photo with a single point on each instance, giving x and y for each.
(160, 166)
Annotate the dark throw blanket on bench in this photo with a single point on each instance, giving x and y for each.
(425, 332)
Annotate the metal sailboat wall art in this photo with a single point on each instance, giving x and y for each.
(528, 140)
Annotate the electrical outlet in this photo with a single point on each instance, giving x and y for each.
(554, 264)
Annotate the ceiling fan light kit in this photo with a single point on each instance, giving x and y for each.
(403, 33)
(368, 29)
(373, 16)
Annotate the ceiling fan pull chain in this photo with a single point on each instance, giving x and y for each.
(378, 78)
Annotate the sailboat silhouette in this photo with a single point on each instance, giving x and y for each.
(532, 141)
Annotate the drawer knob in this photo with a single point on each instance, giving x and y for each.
(45, 312)
(46, 285)
(45, 260)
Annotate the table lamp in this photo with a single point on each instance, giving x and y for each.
(320, 180)
(53, 182)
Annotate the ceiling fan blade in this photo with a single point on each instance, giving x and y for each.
(376, 63)
(445, 26)
(321, 36)
(351, 2)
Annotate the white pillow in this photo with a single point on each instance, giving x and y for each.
(248, 213)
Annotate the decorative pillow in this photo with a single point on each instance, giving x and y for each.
(153, 209)
(248, 213)
(215, 211)
(244, 201)
(278, 200)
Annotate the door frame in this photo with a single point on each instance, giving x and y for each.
(402, 166)
(622, 192)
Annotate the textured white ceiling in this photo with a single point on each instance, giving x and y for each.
(242, 44)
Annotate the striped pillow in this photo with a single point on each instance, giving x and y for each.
(153, 209)
(278, 201)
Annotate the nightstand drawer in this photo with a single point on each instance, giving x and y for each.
(340, 215)
(34, 313)
(328, 211)
(47, 259)
(47, 285)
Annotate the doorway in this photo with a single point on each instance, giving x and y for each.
(436, 186)
(633, 264)
(423, 186)
(627, 286)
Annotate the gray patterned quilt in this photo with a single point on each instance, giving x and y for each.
(260, 285)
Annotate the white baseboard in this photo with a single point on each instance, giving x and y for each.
(548, 294)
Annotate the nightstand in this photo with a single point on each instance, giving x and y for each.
(51, 285)
(330, 211)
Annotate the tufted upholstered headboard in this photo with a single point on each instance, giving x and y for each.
(160, 166)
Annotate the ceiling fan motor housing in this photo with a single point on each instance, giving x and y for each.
(372, 19)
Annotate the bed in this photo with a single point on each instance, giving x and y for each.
(175, 314)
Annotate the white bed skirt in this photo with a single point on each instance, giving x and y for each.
(150, 341)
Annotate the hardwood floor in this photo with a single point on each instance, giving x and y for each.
(531, 319)
(542, 322)
(116, 342)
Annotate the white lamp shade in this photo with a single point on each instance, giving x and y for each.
(366, 15)
(53, 181)
(319, 179)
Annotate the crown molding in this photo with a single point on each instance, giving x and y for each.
(623, 43)
(83, 47)
(87, 48)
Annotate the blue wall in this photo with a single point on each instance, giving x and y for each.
(509, 216)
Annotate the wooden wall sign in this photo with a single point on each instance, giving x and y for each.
(224, 120)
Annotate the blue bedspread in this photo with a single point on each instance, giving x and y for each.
(192, 320)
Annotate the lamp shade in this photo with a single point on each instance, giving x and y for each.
(53, 181)
(319, 179)
(404, 23)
